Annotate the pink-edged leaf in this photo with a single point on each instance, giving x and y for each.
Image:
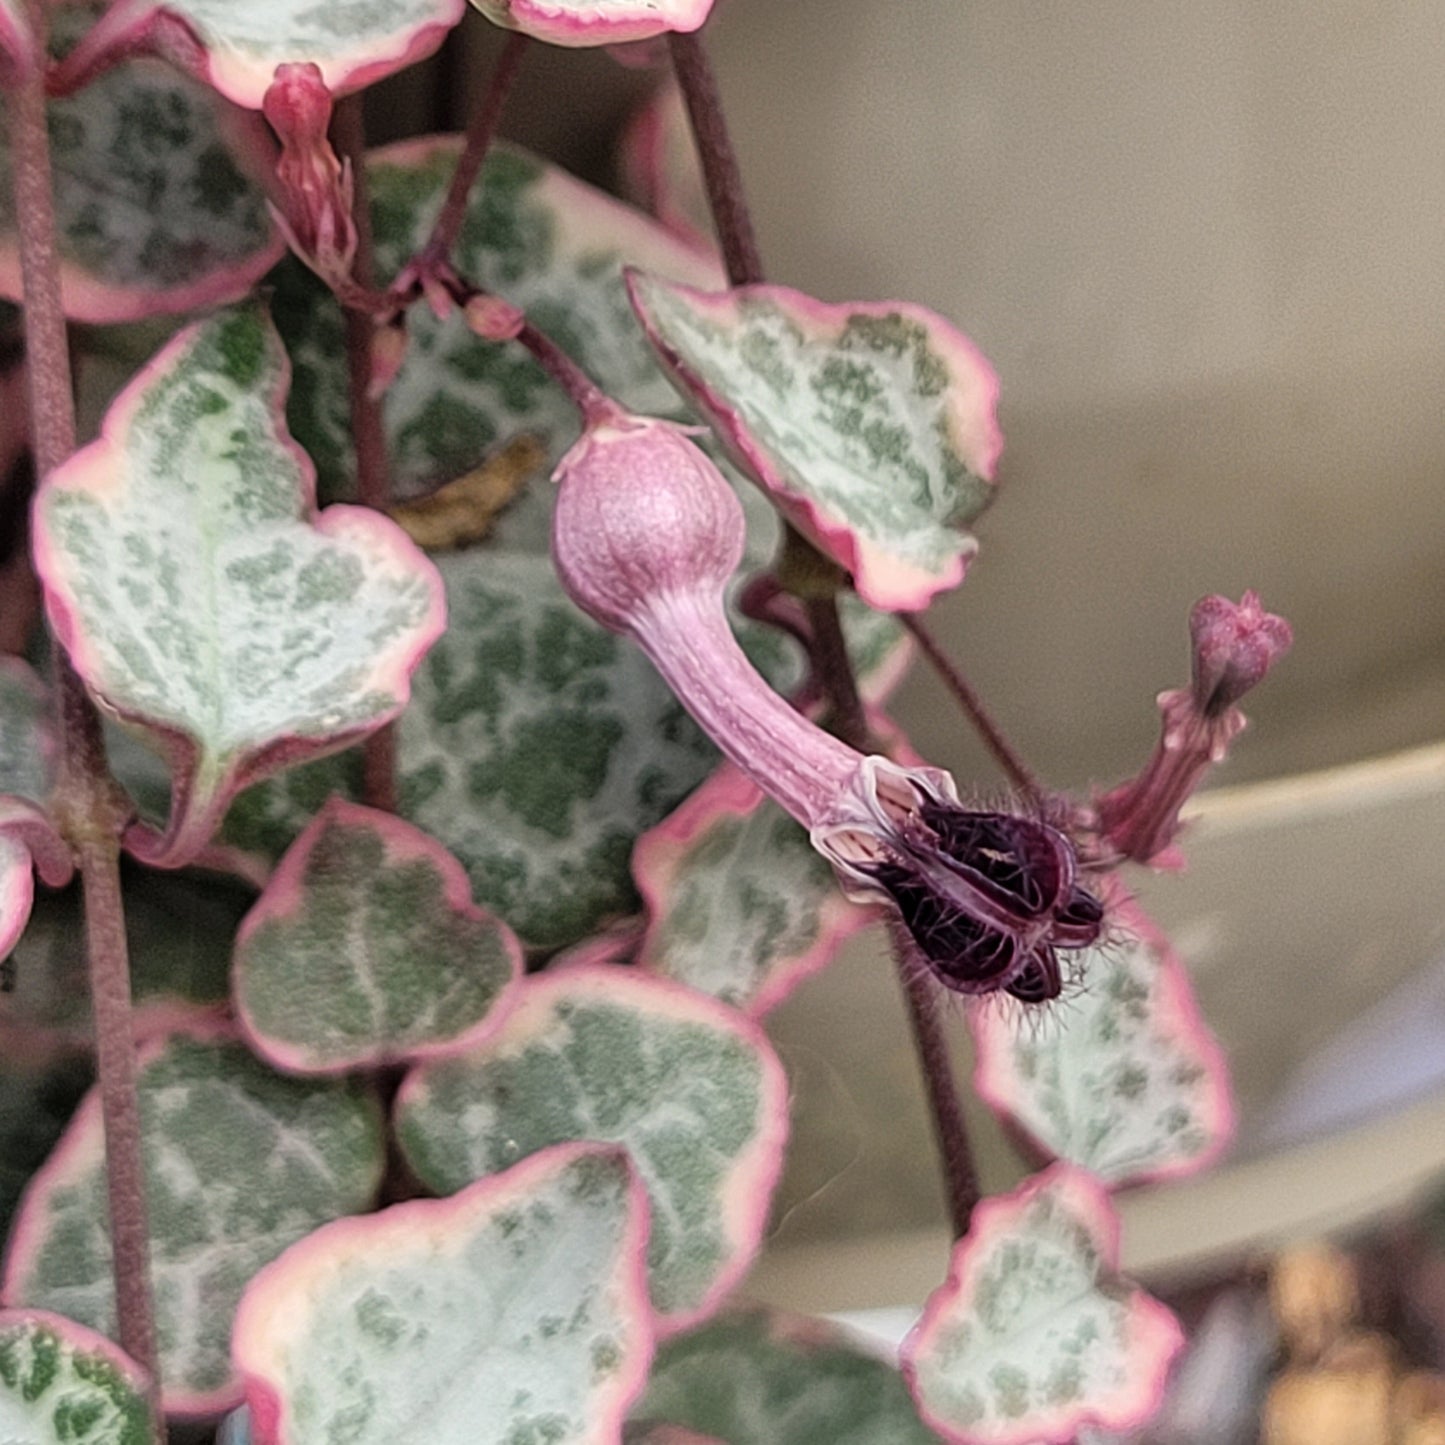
(691, 1088)
(365, 948)
(200, 596)
(740, 903)
(62, 1384)
(660, 168)
(514, 1311)
(240, 1163)
(158, 197)
(1125, 1080)
(595, 22)
(237, 48)
(1034, 1334)
(755, 1377)
(870, 426)
(27, 839)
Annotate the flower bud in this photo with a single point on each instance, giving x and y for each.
(1235, 645)
(642, 517)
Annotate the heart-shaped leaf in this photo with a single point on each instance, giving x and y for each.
(538, 746)
(1127, 1081)
(740, 903)
(691, 1088)
(240, 1163)
(200, 597)
(236, 48)
(365, 948)
(595, 22)
(871, 427)
(1034, 1334)
(158, 205)
(534, 235)
(27, 839)
(514, 1311)
(753, 1377)
(61, 1384)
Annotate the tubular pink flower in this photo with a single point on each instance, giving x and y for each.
(315, 213)
(1234, 647)
(646, 534)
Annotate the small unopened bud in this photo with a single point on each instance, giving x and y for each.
(493, 319)
(1235, 645)
(388, 351)
(314, 211)
(642, 517)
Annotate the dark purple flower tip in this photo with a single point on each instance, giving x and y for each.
(987, 896)
(1235, 646)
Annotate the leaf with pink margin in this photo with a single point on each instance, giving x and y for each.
(27, 840)
(757, 1377)
(62, 1384)
(741, 905)
(1034, 1334)
(236, 48)
(692, 1089)
(158, 194)
(1125, 1079)
(199, 595)
(28, 751)
(595, 22)
(515, 1310)
(239, 1162)
(365, 948)
(870, 426)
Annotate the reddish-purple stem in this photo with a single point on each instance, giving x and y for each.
(481, 129)
(594, 404)
(88, 813)
(831, 664)
(723, 179)
(1004, 754)
(368, 430)
(950, 1130)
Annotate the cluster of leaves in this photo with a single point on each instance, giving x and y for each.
(602, 1142)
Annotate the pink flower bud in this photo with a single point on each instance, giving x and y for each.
(1235, 645)
(642, 517)
(314, 212)
(493, 319)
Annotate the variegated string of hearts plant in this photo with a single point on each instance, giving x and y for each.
(459, 881)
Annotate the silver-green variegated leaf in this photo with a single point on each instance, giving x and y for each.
(538, 746)
(595, 22)
(200, 596)
(692, 1089)
(740, 904)
(61, 1384)
(754, 1377)
(533, 235)
(365, 948)
(870, 426)
(1127, 1082)
(27, 740)
(1034, 1334)
(236, 48)
(239, 1164)
(514, 1311)
(157, 195)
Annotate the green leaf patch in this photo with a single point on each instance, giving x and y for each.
(692, 1090)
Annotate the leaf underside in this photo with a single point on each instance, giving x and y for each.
(595, 22)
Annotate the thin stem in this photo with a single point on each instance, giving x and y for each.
(89, 815)
(481, 128)
(1018, 772)
(368, 430)
(834, 671)
(720, 171)
(949, 1128)
(594, 404)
